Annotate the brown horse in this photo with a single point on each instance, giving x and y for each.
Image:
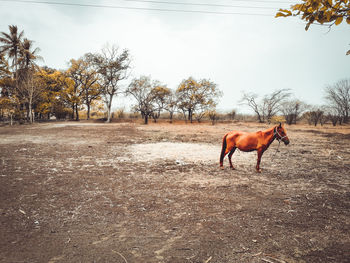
(247, 142)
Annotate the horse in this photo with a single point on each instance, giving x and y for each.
(247, 142)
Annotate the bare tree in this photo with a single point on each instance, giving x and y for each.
(272, 103)
(250, 99)
(231, 115)
(338, 96)
(292, 109)
(269, 106)
(333, 115)
(113, 67)
(314, 116)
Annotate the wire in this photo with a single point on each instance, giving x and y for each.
(136, 8)
(196, 4)
(265, 1)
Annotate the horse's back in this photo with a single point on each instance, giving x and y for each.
(243, 140)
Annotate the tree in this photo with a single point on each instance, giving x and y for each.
(331, 12)
(112, 66)
(333, 115)
(292, 109)
(269, 106)
(68, 93)
(4, 67)
(315, 116)
(143, 90)
(213, 116)
(86, 78)
(272, 103)
(76, 72)
(231, 115)
(5, 76)
(49, 95)
(197, 96)
(28, 86)
(11, 44)
(160, 93)
(171, 104)
(338, 97)
(250, 99)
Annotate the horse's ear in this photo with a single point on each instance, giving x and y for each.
(280, 125)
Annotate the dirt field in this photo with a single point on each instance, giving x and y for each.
(124, 192)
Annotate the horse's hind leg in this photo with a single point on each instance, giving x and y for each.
(230, 156)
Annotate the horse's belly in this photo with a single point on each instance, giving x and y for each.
(246, 145)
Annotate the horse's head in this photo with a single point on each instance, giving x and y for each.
(281, 134)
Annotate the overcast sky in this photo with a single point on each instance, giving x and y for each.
(248, 50)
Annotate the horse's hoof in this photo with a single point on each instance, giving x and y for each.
(221, 167)
(232, 168)
(258, 170)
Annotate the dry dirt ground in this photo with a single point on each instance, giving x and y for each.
(126, 192)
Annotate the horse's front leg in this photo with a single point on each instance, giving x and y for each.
(260, 153)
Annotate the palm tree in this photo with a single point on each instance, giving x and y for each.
(27, 55)
(11, 44)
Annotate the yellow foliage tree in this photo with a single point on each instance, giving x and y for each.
(331, 12)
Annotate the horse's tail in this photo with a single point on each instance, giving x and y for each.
(224, 144)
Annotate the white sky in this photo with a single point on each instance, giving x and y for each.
(238, 52)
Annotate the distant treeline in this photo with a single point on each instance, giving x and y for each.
(29, 92)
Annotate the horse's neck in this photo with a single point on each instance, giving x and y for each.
(269, 135)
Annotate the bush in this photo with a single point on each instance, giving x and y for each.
(277, 119)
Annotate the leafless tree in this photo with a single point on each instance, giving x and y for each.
(333, 115)
(272, 103)
(269, 106)
(231, 115)
(292, 109)
(338, 96)
(113, 67)
(314, 116)
(250, 99)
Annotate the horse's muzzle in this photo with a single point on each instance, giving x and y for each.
(286, 141)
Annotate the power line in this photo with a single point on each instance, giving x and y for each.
(135, 8)
(265, 1)
(198, 4)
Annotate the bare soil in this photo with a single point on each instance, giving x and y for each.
(126, 192)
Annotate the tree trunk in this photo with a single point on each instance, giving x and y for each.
(88, 111)
(109, 106)
(30, 110)
(171, 117)
(73, 109)
(190, 115)
(76, 112)
(146, 118)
